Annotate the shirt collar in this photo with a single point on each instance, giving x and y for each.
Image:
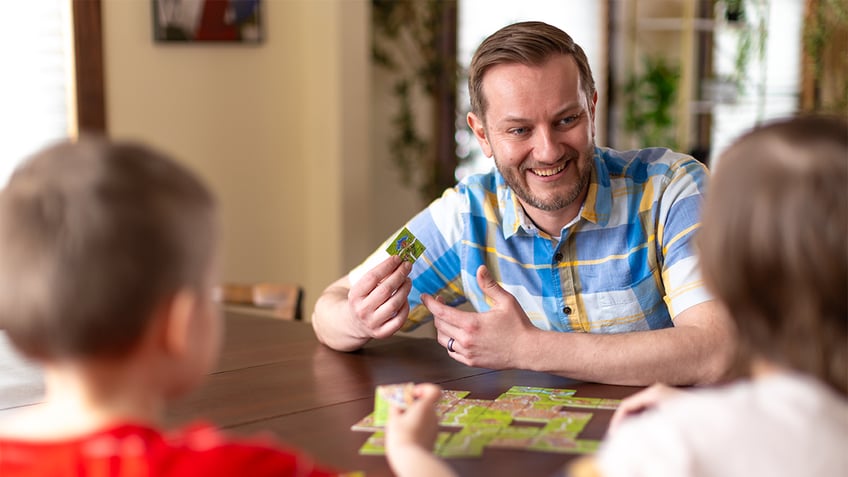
(514, 218)
(598, 205)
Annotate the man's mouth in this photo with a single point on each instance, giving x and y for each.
(550, 171)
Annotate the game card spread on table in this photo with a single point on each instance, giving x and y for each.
(524, 417)
(406, 245)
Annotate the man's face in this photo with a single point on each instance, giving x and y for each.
(539, 126)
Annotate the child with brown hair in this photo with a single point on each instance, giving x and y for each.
(773, 249)
(107, 261)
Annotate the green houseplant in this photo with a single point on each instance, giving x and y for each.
(408, 41)
(649, 99)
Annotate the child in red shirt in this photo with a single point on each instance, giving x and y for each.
(107, 261)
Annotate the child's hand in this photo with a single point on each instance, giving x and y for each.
(417, 425)
(411, 433)
(642, 401)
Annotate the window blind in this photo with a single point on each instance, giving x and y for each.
(36, 83)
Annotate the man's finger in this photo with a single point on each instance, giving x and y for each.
(374, 295)
(369, 281)
(439, 309)
(445, 318)
(489, 286)
(435, 306)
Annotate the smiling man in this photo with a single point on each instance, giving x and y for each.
(577, 259)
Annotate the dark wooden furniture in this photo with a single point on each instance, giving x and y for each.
(274, 376)
(277, 300)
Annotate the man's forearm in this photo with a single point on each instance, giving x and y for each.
(687, 354)
(332, 320)
(632, 359)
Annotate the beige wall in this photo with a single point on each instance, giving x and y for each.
(280, 131)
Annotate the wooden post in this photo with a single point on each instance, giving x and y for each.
(88, 54)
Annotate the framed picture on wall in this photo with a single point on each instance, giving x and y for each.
(183, 21)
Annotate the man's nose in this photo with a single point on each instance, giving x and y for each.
(546, 146)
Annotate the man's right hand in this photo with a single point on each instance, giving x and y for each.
(379, 301)
(376, 306)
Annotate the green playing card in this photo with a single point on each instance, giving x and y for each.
(406, 245)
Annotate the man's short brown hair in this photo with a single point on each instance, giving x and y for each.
(93, 236)
(526, 43)
(773, 243)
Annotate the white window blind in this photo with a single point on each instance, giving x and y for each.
(773, 79)
(36, 84)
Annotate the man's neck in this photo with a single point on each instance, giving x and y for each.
(552, 222)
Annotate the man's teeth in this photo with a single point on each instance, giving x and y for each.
(548, 172)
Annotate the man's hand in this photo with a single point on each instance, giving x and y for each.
(379, 301)
(488, 340)
(346, 317)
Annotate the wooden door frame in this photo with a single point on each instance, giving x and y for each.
(88, 69)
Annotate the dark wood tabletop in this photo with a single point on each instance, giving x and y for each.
(274, 376)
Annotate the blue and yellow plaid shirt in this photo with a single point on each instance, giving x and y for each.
(626, 263)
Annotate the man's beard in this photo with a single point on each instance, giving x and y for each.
(584, 174)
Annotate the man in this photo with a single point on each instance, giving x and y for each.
(577, 258)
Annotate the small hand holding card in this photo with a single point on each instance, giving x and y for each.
(400, 395)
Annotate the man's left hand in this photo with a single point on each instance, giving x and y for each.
(491, 339)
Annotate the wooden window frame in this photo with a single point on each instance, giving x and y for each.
(88, 69)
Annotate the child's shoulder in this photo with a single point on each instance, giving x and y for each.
(196, 450)
(699, 432)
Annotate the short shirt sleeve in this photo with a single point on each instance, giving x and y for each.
(678, 223)
(437, 271)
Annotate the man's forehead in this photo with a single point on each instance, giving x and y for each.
(514, 89)
(512, 75)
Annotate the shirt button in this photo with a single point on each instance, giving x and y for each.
(558, 257)
(567, 310)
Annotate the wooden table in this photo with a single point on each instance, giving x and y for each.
(274, 376)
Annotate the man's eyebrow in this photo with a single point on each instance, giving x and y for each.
(513, 119)
(573, 107)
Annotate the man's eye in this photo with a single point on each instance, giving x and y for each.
(569, 119)
(518, 131)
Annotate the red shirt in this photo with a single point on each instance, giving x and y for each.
(128, 450)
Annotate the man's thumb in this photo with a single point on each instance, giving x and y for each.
(487, 283)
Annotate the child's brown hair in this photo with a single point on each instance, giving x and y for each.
(773, 243)
(93, 236)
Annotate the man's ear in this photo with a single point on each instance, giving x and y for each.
(180, 311)
(592, 111)
(479, 130)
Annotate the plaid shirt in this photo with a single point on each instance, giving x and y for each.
(626, 263)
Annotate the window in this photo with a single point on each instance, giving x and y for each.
(772, 76)
(36, 88)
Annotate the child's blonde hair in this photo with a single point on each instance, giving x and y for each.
(773, 243)
(93, 236)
